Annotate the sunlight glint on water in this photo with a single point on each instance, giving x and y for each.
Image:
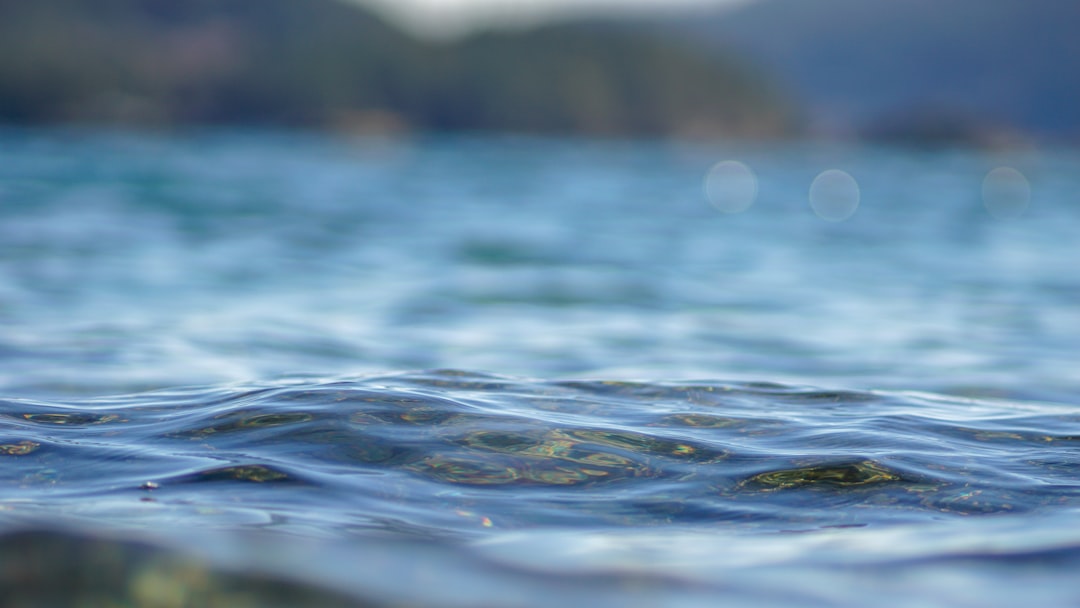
(1006, 192)
(731, 186)
(834, 195)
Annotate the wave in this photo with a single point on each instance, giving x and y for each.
(696, 487)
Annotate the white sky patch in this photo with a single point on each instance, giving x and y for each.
(449, 18)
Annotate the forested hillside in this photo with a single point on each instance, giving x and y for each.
(328, 64)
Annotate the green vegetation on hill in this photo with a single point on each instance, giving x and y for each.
(328, 64)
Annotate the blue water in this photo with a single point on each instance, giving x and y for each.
(461, 371)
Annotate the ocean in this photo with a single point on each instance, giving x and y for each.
(258, 368)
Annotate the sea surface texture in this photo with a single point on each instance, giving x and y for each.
(257, 368)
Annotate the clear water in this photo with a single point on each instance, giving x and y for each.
(460, 371)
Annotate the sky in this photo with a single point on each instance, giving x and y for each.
(449, 18)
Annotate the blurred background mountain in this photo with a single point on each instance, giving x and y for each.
(325, 63)
(913, 69)
(978, 71)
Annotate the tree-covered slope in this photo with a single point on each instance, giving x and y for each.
(328, 63)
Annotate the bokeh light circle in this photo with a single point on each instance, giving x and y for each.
(1006, 193)
(834, 195)
(731, 186)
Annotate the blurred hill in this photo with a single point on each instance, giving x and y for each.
(915, 69)
(329, 64)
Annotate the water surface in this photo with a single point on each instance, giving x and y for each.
(460, 371)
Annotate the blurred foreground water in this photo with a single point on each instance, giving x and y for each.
(659, 373)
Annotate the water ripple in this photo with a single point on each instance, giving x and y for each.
(417, 450)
